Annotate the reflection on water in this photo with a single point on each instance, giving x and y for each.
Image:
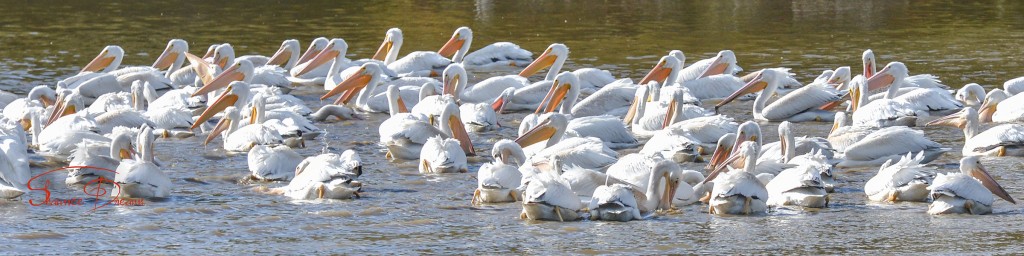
(401, 210)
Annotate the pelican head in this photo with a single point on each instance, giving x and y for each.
(454, 80)
(722, 151)
(501, 102)
(971, 166)
(640, 99)
(766, 79)
(971, 94)
(211, 51)
(564, 88)
(69, 102)
(228, 123)
(550, 128)
(287, 55)
(388, 50)
(172, 55)
(458, 45)
(890, 75)
(224, 55)
(748, 131)
(746, 154)
(334, 50)
(368, 74)
(991, 104)
(44, 94)
(108, 60)
(839, 121)
(858, 92)
(675, 107)
(723, 63)
(315, 47)
(664, 72)
(508, 152)
(553, 57)
(868, 58)
(839, 77)
(679, 55)
(236, 95)
(241, 71)
(451, 123)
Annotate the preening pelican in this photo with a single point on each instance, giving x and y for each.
(648, 190)
(971, 94)
(738, 191)
(442, 155)
(798, 186)
(273, 163)
(141, 178)
(905, 180)
(101, 155)
(497, 181)
(325, 176)
(549, 197)
(965, 192)
(405, 138)
(1002, 108)
(585, 152)
(1001, 140)
(800, 105)
(239, 138)
(40, 97)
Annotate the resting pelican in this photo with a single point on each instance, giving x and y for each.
(442, 155)
(362, 86)
(647, 190)
(585, 152)
(776, 151)
(563, 95)
(798, 186)
(273, 163)
(332, 57)
(318, 74)
(239, 138)
(40, 97)
(101, 155)
(419, 63)
(325, 176)
(108, 63)
(901, 109)
(14, 166)
(971, 94)
(712, 78)
(338, 111)
(890, 143)
(497, 181)
(964, 192)
(842, 135)
(905, 180)
(496, 55)
(739, 191)
(1002, 108)
(800, 105)
(271, 75)
(554, 57)
(548, 197)
(141, 178)
(723, 63)
(1001, 140)
(406, 137)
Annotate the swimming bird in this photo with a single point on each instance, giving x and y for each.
(738, 191)
(905, 180)
(498, 181)
(647, 190)
(1001, 140)
(964, 192)
(140, 177)
(800, 105)
(549, 197)
(586, 152)
(325, 176)
(14, 165)
(273, 163)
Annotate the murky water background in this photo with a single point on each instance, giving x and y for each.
(43, 41)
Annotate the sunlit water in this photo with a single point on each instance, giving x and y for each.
(401, 210)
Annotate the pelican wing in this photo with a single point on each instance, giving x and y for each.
(1006, 135)
(618, 94)
(800, 100)
(608, 129)
(490, 88)
(896, 140)
(960, 185)
(714, 87)
(273, 163)
(891, 176)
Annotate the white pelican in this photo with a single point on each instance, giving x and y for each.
(843, 135)
(362, 86)
(965, 192)
(482, 92)
(496, 55)
(726, 145)
(338, 111)
(585, 152)
(479, 117)
(497, 181)
(799, 105)
(549, 197)
(419, 63)
(554, 57)
(332, 57)
(239, 138)
(325, 176)
(271, 75)
(286, 56)
(712, 78)
(738, 191)
(40, 96)
(777, 151)
(273, 163)
(318, 74)
(971, 94)
(921, 81)
(14, 166)
(406, 136)
(609, 129)
(882, 112)
(442, 155)
(905, 180)
(172, 59)
(1001, 140)
(101, 155)
(108, 62)
(613, 99)
(798, 186)
(1002, 108)
(648, 190)
(890, 143)
(896, 107)
(141, 178)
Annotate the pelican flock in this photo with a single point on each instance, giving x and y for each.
(590, 146)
